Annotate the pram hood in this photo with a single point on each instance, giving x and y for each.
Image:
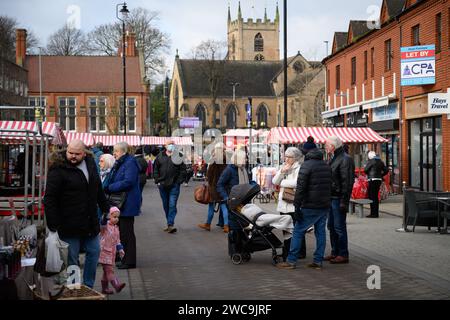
(242, 194)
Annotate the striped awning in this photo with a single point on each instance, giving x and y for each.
(87, 138)
(160, 141)
(16, 131)
(53, 130)
(109, 141)
(282, 135)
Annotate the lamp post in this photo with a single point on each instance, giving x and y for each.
(285, 63)
(124, 11)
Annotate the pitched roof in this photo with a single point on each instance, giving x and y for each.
(358, 28)
(301, 81)
(254, 77)
(83, 74)
(395, 7)
(340, 39)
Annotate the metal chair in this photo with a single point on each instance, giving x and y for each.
(420, 205)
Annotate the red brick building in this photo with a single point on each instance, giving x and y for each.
(364, 89)
(85, 93)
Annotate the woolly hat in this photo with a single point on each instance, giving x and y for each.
(372, 155)
(113, 209)
(308, 145)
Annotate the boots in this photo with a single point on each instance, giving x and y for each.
(117, 285)
(105, 288)
(205, 226)
(226, 228)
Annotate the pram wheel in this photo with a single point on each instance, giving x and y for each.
(237, 258)
(246, 257)
(277, 259)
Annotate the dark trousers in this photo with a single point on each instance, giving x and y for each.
(374, 188)
(287, 243)
(128, 239)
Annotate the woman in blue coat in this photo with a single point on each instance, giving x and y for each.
(125, 178)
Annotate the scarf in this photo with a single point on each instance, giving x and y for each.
(243, 177)
(104, 173)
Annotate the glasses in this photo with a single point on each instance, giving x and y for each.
(289, 157)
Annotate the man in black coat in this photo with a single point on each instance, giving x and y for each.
(342, 179)
(72, 194)
(312, 204)
(375, 170)
(143, 165)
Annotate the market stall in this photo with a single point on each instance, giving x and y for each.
(111, 140)
(161, 141)
(87, 138)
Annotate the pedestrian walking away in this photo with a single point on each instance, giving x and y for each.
(72, 194)
(342, 179)
(125, 179)
(169, 173)
(109, 243)
(375, 170)
(312, 204)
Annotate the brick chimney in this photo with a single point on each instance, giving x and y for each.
(21, 46)
(130, 45)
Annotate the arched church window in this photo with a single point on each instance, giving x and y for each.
(231, 116)
(259, 57)
(299, 67)
(262, 116)
(200, 113)
(177, 100)
(259, 43)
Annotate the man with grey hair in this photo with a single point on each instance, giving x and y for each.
(343, 172)
(72, 194)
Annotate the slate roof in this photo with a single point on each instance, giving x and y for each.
(359, 28)
(341, 39)
(83, 74)
(254, 77)
(300, 81)
(395, 7)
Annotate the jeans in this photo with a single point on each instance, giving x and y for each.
(337, 224)
(169, 198)
(92, 246)
(223, 210)
(318, 218)
(374, 188)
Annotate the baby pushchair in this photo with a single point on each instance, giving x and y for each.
(245, 236)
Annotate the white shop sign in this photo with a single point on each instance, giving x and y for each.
(438, 103)
(389, 112)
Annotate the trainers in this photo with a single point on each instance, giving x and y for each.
(171, 229)
(315, 266)
(339, 260)
(166, 229)
(285, 265)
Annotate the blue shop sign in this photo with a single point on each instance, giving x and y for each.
(389, 112)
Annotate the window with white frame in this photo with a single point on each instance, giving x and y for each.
(131, 114)
(97, 114)
(67, 113)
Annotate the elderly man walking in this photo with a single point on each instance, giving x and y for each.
(72, 194)
(343, 172)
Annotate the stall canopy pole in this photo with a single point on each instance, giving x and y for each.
(45, 173)
(33, 179)
(27, 161)
(41, 159)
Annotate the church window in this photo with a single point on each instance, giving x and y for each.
(200, 113)
(259, 43)
(299, 67)
(262, 116)
(259, 57)
(231, 117)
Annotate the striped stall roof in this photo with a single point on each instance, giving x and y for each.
(53, 130)
(87, 138)
(160, 141)
(109, 141)
(12, 132)
(282, 135)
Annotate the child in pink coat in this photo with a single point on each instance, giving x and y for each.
(109, 243)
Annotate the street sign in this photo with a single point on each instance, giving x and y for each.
(438, 103)
(418, 65)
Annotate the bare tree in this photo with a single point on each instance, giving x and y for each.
(8, 28)
(106, 39)
(211, 54)
(67, 41)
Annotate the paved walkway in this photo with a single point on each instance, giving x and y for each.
(193, 264)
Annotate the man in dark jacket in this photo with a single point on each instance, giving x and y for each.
(343, 174)
(169, 172)
(375, 170)
(312, 204)
(143, 165)
(72, 194)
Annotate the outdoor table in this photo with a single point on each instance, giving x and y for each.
(446, 202)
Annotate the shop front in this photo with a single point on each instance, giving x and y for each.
(385, 121)
(356, 118)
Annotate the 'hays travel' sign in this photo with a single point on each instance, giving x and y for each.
(438, 103)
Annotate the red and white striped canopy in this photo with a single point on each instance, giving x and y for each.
(281, 135)
(112, 140)
(87, 138)
(160, 141)
(53, 130)
(16, 131)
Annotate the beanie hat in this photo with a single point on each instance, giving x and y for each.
(308, 145)
(113, 209)
(372, 155)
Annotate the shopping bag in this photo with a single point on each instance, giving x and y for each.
(56, 253)
(202, 195)
(360, 188)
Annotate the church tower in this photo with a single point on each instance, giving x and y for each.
(254, 40)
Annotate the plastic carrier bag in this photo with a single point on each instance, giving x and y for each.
(56, 253)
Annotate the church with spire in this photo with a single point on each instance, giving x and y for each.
(251, 68)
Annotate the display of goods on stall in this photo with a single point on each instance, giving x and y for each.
(10, 263)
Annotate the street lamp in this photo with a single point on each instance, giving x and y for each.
(234, 85)
(124, 12)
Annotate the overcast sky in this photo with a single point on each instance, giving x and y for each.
(188, 22)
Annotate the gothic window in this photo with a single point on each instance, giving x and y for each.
(200, 113)
(259, 57)
(259, 43)
(216, 121)
(299, 67)
(177, 100)
(231, 117)
(184, 110)
(262, 116)
(233, 45)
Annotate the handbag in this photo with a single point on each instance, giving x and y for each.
(117, 199)
(289, 195)
(201, 194)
